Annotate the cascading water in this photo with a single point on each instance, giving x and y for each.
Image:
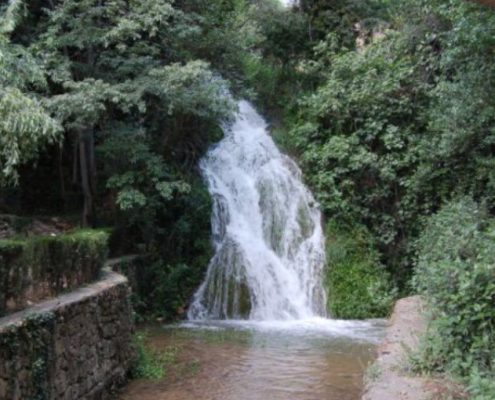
(269, 245)
(267, 267)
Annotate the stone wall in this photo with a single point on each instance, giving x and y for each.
(76, 346)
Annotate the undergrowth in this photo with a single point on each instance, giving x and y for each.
(152, 364)
(358, 285)
(455, 273)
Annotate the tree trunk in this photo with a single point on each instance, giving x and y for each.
(75, 157)
(92, 163)
(63, 192)
(85, 164)
(487, 2)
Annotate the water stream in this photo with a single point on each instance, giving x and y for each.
(247, 360)
(257, 328)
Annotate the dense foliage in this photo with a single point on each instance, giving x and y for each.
(402, 123)
(24, 123)
(388, 105)
(357, 284)
(455, 270)
(133, 92)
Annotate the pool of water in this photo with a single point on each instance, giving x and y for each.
(305, 360)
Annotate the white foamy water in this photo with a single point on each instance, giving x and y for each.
(368, 331)
(269, 245)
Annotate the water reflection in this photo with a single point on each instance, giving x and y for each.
(249, 361)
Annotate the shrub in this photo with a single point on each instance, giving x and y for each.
(175, 255)
(69, 259)
(357, 284)
(455, 272)
(161, 290)
(32, 268)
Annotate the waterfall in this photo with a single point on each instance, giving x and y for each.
(268, 239)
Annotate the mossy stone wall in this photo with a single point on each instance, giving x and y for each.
(76, 346)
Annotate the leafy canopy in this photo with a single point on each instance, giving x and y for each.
(24, 124)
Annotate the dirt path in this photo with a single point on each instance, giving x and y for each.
(388, 378)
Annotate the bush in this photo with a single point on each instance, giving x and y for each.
(455, 272)
(357, 284)
(10, 250)
(77, 256)
(395, 129)
(161, 290)
(40, 266)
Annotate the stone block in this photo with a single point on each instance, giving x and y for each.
(84, 353)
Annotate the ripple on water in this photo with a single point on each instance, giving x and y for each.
(315, 359)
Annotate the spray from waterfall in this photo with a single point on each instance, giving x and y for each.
(269, 245)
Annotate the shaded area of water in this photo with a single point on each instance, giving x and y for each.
(304, 360)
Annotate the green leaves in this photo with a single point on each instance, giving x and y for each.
(364, 122)
(191, 88)
(24, 124)
(455, 270)
(144, 18)
(402, 124)
(129, 64)
(11, 14)
(147, 182)
(358, 285)
(83, 104)
(24, 127)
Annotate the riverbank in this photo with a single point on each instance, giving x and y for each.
(389, 378)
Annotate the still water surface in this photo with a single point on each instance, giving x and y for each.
(304, 360)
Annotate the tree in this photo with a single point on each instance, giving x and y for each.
(402, 125)
(122, 60)
(25, 125)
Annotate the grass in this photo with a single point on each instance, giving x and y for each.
(152, 364)
(373, 373)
